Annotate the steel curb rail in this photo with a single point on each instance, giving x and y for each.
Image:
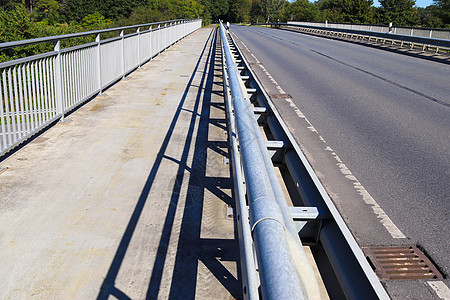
(344, 253)
(248, 268)
(278, 275)
(393, 36)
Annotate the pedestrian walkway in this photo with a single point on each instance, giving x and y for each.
(127, 199)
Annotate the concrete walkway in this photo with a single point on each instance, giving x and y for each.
(129, 198)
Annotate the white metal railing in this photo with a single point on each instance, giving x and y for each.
(38, 90)
(435, 33)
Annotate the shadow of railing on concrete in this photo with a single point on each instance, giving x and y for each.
(191, 248)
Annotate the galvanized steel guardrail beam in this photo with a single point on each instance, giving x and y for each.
(354, 274)
(390, 36)
(284, 270)
(38, 90)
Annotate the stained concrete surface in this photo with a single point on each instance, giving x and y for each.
(128, 199)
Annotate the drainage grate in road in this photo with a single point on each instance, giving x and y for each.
(401, 263)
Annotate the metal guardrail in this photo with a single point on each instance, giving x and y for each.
(36, 91)
(245, 99)
(412, 40)
(284, 271)
(436, 33)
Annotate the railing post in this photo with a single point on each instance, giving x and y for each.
(150, 37)
(165, 35)
(123, 53)
(59, 82)
(158, 38)
(139, 46)
(99, 65)
(169, 34)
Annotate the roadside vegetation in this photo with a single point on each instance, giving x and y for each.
(26, 19)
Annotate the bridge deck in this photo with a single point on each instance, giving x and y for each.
(128, 198)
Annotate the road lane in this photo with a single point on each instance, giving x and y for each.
(385, 115)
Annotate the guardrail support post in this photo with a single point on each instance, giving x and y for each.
(58, 82)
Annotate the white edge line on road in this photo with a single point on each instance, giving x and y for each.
(440, 288)
(366, 197)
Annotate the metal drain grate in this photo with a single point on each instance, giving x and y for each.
(401, 263)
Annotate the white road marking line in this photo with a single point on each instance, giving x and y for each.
(367, 198)
(440, 288)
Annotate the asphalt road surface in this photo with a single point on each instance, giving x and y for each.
(385, 115)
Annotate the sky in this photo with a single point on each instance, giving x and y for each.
(419, 3)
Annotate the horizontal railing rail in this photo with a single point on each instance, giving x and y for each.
(38, 90)
(425, 41)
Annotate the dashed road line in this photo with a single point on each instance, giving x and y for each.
(440, 288)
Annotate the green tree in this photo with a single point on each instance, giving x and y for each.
(271, 10)
(47, 10)
(357, 11)
(302, 10)
(330, 10)
(15, 24)
(429, 17)
(239, 11)
(114, 9)
(188, 9)
(110, 9)
(399, 12)
(9, 4)
(217, 9)
(256, 13)
(76, 10)
(94, 21)
(443, 11)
